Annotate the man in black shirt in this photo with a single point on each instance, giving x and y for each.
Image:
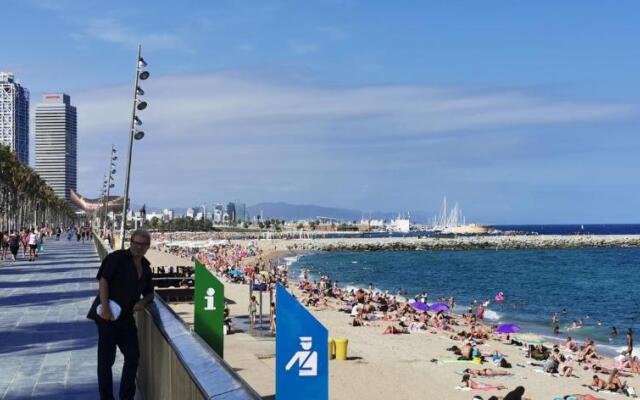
(125, 276)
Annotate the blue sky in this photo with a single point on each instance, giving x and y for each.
(522, 112)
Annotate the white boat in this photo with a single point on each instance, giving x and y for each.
(454, 222)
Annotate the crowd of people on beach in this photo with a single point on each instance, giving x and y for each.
(397, 314)
(237, 263)
(401, 315)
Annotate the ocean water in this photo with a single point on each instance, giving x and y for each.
(592, 284)
(566, 229)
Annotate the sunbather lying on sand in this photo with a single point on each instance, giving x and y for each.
(468, 382)
(597, 383)
(486, 372)
(394, 330)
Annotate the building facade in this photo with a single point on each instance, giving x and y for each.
(218, 214)
(57, 143)
(14, 116)
(231, 211)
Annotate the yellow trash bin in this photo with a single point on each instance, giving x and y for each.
(341, 348)
(332, 348)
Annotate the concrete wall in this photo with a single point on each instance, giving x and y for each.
(175, 363)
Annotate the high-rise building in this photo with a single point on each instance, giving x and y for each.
(218, 213)
(57, 143)
(191, 212)
(231, 210)
(14, 116)
(241, 211)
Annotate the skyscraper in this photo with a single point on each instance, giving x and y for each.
(231, 210)
(14, 116)
(57, 143)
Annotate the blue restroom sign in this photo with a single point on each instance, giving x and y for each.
(302, 359)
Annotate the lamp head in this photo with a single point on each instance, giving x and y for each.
(141, 105)
(144, 75)
(138, 135)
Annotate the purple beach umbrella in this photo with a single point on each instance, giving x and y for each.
(420, 306)
(507, 328)
(438, 307)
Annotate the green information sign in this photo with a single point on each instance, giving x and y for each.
(209, 308)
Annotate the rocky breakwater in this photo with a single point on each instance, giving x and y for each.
(464, 243)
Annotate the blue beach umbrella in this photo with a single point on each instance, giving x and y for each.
(420, 306)
(508, 328)
(438, 307)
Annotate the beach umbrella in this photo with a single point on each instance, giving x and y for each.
(438, 307)
(507, 328)
(420, 306)
(530, 339)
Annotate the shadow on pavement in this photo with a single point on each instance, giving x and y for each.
(49, 337)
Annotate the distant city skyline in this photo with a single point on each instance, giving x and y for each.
(522, 112)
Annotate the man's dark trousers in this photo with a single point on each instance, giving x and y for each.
(124, 335)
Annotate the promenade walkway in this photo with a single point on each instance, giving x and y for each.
(47, 346)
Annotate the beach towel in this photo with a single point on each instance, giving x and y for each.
(544, 372)
(456, 361)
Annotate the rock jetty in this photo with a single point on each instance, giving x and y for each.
(464, 243)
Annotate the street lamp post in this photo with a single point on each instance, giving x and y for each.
(134, 133)
(112, 171)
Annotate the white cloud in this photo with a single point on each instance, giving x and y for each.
(211, 132)
(276, 108)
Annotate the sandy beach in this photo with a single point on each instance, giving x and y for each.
(383, 366)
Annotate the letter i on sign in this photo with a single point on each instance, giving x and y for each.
(210, 298)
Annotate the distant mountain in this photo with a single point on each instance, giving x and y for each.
(281, 210)
(286, 211)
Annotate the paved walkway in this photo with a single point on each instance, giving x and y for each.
(47, 346)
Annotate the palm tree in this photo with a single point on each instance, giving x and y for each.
(26, 199)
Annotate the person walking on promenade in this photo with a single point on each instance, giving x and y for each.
(124, 276)
(33, 244)
(4, 244)
(24, 239)
(14, 244)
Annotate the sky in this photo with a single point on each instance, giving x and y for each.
(523, 112)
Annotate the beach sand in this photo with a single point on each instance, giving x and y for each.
(382, 366)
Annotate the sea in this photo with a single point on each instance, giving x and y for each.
(595, 286)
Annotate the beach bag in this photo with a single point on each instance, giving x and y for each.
(41, 248)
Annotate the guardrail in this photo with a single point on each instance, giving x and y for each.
(175, 363)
